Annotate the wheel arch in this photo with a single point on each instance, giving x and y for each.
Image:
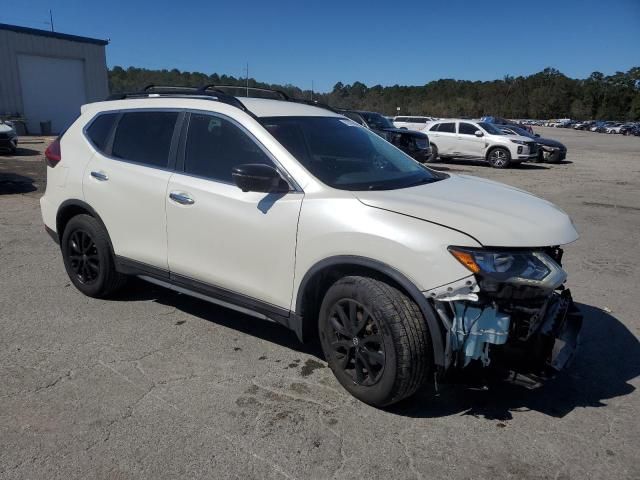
(324, 273)
(493, 147)
(71, 208)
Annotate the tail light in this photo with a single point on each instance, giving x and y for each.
(52, 153)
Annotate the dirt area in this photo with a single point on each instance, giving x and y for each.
(153, 384)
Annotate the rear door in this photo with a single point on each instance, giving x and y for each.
(444, 137)
(126, 180)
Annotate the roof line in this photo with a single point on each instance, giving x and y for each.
(47, 33)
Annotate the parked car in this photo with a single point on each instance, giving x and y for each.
(586, 125)
(468, 139)
(614, 128)
(504, 121)
(418, 124)
(293, 213)
(550, 151)
(415, 144)
(629, 128)
(8, 137)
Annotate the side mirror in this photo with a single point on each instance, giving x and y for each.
(258, 177)
(479, 133)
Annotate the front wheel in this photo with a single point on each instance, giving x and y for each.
(499, 157)
(375, 340)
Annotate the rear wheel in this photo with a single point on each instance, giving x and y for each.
(375, 340)
(499, 157)
(88, 259)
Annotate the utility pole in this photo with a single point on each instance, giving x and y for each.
(51, 20)
(247, 79)
(312, 90)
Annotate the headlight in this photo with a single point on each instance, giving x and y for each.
(519, 142)
(532, 268)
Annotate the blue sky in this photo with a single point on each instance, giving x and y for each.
(392, 42)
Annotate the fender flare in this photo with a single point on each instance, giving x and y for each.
(74, 202)
(428, 312)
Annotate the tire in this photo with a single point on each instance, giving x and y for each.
(390, 328)
(499, 157)
(434, 154)
(87, 257)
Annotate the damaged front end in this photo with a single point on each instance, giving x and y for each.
(513, 313)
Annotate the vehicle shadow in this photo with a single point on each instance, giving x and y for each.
(481, 163)
(608, 359)
(12, 183)
(138, 290)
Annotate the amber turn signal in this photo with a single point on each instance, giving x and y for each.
(466, 259)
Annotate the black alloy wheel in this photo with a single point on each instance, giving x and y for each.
(84, 259)
(375, 340)
(88, 257)
(357, 342)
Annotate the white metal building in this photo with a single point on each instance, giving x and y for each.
(46, 76)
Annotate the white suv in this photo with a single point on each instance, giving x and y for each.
(468, 139)
(296, 214)
(412, 123)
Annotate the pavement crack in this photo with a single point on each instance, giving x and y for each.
(407, 454)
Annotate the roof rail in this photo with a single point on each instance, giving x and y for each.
(211, 92)
(151, 91)
(279, 93)
(283, 96)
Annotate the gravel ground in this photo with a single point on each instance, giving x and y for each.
(154, 384)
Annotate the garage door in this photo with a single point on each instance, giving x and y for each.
(52, 90)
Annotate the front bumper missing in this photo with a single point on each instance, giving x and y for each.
(537, 340)
(563, 326)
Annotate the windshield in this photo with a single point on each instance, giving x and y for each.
(490, 128)
(375, 120)
(344, 155)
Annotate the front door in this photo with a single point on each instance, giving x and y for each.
(470, 145)
(241, 242)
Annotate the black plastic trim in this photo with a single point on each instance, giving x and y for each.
(435, 327)
(279, 315)
(52, 234)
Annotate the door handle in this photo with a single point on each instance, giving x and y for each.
(103, 177)
(181, 198)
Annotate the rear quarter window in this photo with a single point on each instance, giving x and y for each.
(100, 128)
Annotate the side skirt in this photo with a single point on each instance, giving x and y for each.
(204, 291)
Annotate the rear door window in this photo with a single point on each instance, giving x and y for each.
(145, 137)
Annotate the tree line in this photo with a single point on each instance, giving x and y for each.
(543, 95)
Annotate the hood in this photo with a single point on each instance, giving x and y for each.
(522, 138)
(492, 213)
(547, 142)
